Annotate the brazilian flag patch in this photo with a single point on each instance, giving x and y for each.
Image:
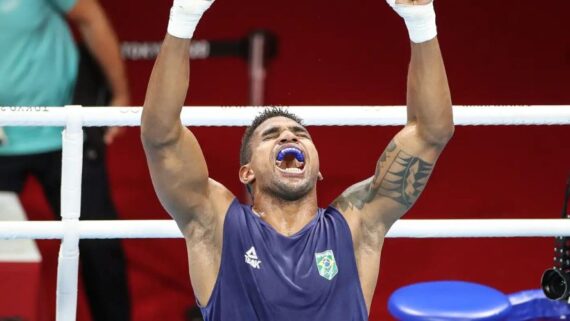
(326, 264)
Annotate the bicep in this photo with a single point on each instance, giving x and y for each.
(402, 172)
(180, 178)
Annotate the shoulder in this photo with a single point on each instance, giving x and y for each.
(335, 215)
(361, 229)
(206, 215)
(334, 212)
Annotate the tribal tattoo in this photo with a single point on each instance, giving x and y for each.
(399, 176)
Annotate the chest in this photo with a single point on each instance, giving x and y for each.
(300, 270)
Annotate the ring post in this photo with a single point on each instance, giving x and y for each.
(71, 172)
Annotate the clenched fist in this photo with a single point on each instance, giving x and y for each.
(419, 16)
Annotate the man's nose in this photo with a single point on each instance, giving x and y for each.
(288, 136)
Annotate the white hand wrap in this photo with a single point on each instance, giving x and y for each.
(420, 20)
(185, 15)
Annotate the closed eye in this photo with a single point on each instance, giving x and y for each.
(270, 133)
(300, 131)
(269, 137)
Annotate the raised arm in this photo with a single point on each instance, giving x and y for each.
(177, 166)
(176, 162)
(406, 164)
(402, 172)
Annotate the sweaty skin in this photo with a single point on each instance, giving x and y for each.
(286, 216)
(288, 201)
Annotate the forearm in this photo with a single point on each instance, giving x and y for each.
(103, 44)
(170, 76)
(166, 92)
(429, 98)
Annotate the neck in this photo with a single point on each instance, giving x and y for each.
(286, 217)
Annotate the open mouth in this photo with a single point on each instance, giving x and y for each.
(290, 160)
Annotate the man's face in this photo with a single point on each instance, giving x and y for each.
(284, 161)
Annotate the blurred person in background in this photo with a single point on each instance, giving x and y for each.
(40, 65)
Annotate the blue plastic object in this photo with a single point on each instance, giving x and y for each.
(533, 305)
(290, 150)
(448, 301)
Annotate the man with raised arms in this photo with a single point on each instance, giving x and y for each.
(283, 258)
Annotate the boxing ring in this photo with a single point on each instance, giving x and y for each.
(74, 118)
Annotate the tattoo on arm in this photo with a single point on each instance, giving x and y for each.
(399, 176)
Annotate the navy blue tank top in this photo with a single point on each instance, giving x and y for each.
(266, 276)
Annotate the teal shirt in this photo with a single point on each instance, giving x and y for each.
(38, 67)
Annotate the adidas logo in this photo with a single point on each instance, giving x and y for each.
(252, 259)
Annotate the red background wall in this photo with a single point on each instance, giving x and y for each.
(339, 52)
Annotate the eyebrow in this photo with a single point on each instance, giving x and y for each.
(299, 129)
(270, 131)
(275, 129)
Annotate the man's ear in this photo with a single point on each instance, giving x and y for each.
(246, 174)
(320, 176)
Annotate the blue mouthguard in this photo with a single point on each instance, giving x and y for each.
(288, 151)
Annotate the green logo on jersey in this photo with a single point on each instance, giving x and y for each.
(326, 264)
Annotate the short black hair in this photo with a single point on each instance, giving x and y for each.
(245, 149)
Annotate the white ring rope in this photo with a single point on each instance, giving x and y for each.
(70, 229)
(312, 115)
(134, 229)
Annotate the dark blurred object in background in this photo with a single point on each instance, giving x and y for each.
(194, 314)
